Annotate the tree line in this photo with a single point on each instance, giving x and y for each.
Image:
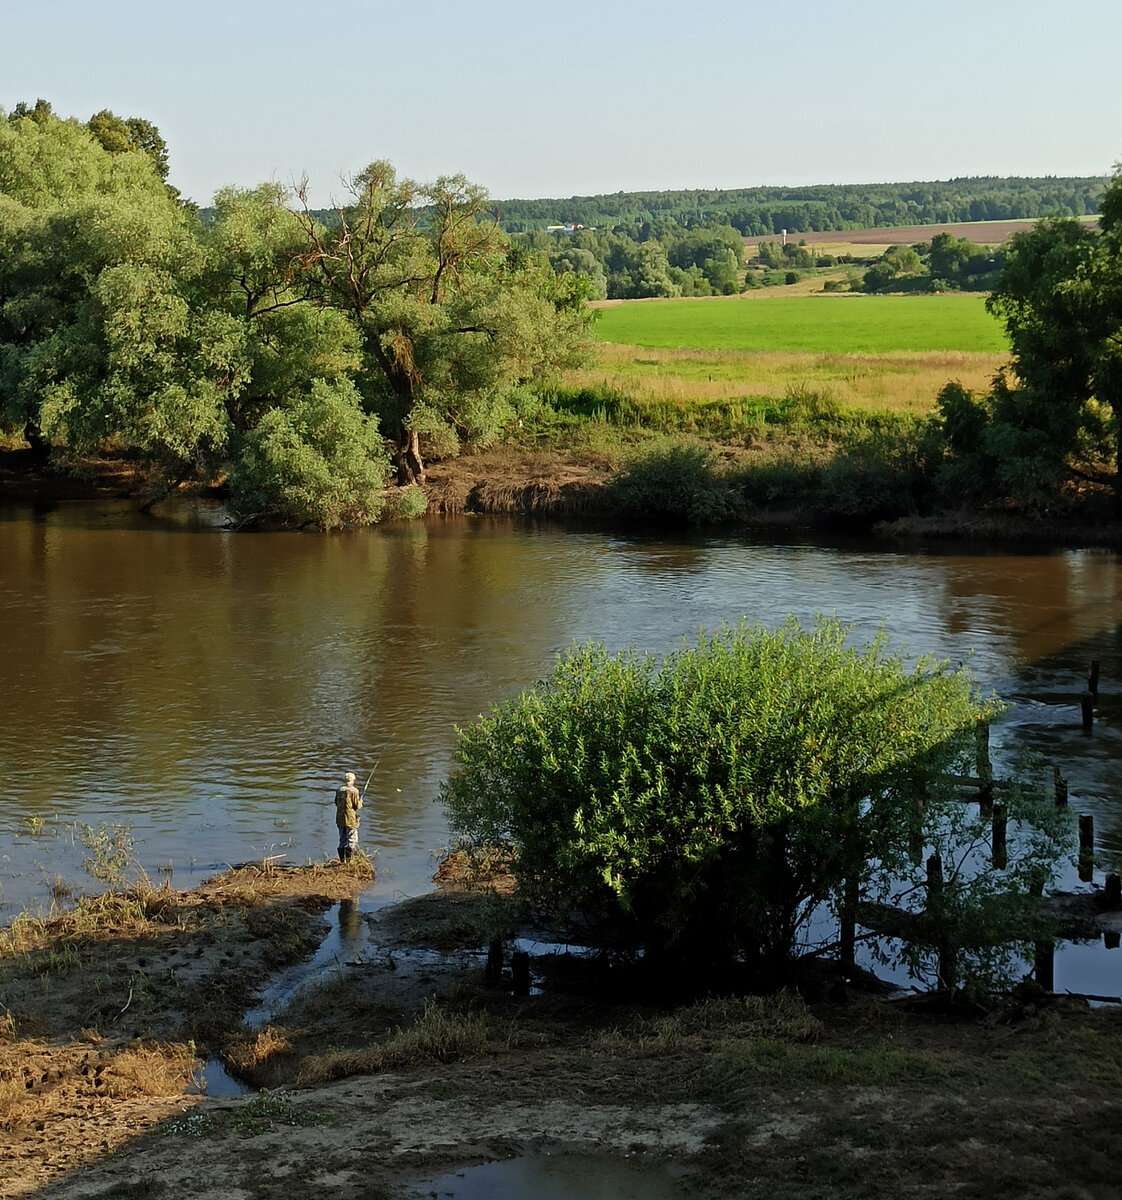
(297, 361)
(760, 211)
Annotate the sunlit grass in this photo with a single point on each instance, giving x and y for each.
(675, 388)
(843, 324)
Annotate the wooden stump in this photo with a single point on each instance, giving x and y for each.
(1086, 847)
(493, 972)
(520, 973)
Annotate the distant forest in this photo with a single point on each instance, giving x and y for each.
(769, 210)
(635, 245)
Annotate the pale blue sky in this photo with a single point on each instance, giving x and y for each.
(580, 97)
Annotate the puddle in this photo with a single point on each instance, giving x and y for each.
(345, 942)
(214, 1080)
(553, 1177)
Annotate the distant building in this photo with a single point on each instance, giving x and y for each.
(564, 230)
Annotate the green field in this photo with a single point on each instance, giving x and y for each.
(815, 324)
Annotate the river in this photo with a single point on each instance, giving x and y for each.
(207, 689)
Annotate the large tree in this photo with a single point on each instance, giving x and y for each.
(453, 319)
(123, 320)
(1060, 296)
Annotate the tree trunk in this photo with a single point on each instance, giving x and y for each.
(40, 447)
(410, 467)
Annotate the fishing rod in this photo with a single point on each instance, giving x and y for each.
(362, 794)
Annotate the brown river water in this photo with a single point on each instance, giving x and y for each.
(207, 689)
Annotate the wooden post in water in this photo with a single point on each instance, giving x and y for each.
(1093, 678)
(1112, 893)
(1086, 847)
(847, 940)
(984, 766)
(1087, 710)
(998, 828)
(1044, 965)
(1059, 785)
(948, 958)
(520, 973)
(493, 972)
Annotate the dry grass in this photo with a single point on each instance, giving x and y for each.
(904, 383)
(135, 913)
(162, 1069)
(438, 1035)
(698, 1027)
(248, 1054)
(250, 883)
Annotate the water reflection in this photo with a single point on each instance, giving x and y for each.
(208, 689)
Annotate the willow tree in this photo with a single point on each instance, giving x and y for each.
(454, 321)
(125, 322)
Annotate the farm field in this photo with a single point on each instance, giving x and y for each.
(817, 324)
(984, 233)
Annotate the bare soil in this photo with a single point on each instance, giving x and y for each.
(401, 1065)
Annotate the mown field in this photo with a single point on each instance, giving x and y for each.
(842, 324)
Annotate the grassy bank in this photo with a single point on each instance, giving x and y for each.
(706, 434)
(821, 410)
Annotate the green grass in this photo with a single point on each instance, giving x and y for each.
(815, 324)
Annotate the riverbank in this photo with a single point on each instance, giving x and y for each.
(400, 1064)
(576, 483)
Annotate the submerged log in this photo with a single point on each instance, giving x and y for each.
(1079, 916)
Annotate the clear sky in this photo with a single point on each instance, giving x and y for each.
(583, 96)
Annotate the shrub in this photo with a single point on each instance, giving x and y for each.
(874, 477)
(318, 460)
(405, 503)
(964, 417)
(673, 480)
(703, 805)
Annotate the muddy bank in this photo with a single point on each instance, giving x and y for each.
(397, 1064)
(109, 1011)
(508, 480)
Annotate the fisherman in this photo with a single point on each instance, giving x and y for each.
(348, 800)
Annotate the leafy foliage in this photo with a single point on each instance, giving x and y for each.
(451, 318)
(1060, 297)
(673, 480)
(317, 460)
(260, 345)
(703, 805)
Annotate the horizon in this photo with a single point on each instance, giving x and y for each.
(590, 101)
